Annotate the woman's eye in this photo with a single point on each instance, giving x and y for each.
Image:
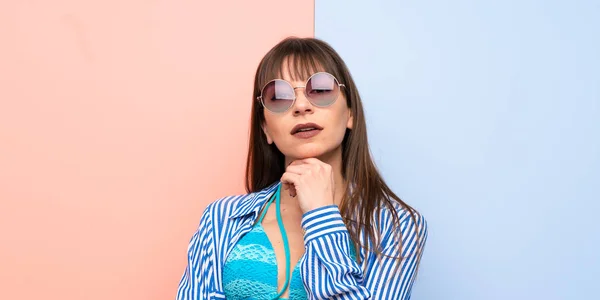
(322, 91)
(281, 97)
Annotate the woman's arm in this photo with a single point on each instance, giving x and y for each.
(195, 280)
(330, 272)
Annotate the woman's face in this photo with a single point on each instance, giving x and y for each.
(332, 122)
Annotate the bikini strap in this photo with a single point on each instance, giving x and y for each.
(286, 247)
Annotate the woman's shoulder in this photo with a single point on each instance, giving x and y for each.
(409, 220)
(238, 205)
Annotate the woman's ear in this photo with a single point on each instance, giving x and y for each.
(350, 120)
(269, 139)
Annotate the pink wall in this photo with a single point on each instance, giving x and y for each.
(119, 122)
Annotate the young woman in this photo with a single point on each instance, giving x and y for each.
(318, 221)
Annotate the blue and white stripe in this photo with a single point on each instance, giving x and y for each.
(327, 267)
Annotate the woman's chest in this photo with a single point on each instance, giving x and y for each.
(257, 264)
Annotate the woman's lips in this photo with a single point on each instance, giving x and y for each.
(300, 127)
(307, 134)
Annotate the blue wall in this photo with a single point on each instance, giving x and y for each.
(486, 117)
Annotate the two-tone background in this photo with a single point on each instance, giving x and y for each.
(121, 120)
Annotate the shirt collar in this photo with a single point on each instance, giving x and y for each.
(254, 201)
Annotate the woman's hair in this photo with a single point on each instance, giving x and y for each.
(366, 192)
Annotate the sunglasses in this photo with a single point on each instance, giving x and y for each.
(321, 89)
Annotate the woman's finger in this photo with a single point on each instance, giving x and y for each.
(297, 162)
(291, 180)
(311, 161)
(298, 169)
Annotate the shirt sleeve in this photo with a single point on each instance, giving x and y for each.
(330, 271)
(194, 283)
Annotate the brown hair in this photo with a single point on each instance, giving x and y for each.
(366, 192)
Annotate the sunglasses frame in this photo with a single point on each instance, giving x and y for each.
(260, 97)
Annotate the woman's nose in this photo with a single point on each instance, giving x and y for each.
(302, 105)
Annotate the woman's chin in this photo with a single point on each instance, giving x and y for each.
(306, 152)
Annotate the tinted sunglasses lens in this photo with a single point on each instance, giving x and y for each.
(322, 89)
(278, 96)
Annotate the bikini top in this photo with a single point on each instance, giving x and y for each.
(250, 270)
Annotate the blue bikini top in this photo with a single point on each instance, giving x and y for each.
(250, 270)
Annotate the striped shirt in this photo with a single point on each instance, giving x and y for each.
(327, 267)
